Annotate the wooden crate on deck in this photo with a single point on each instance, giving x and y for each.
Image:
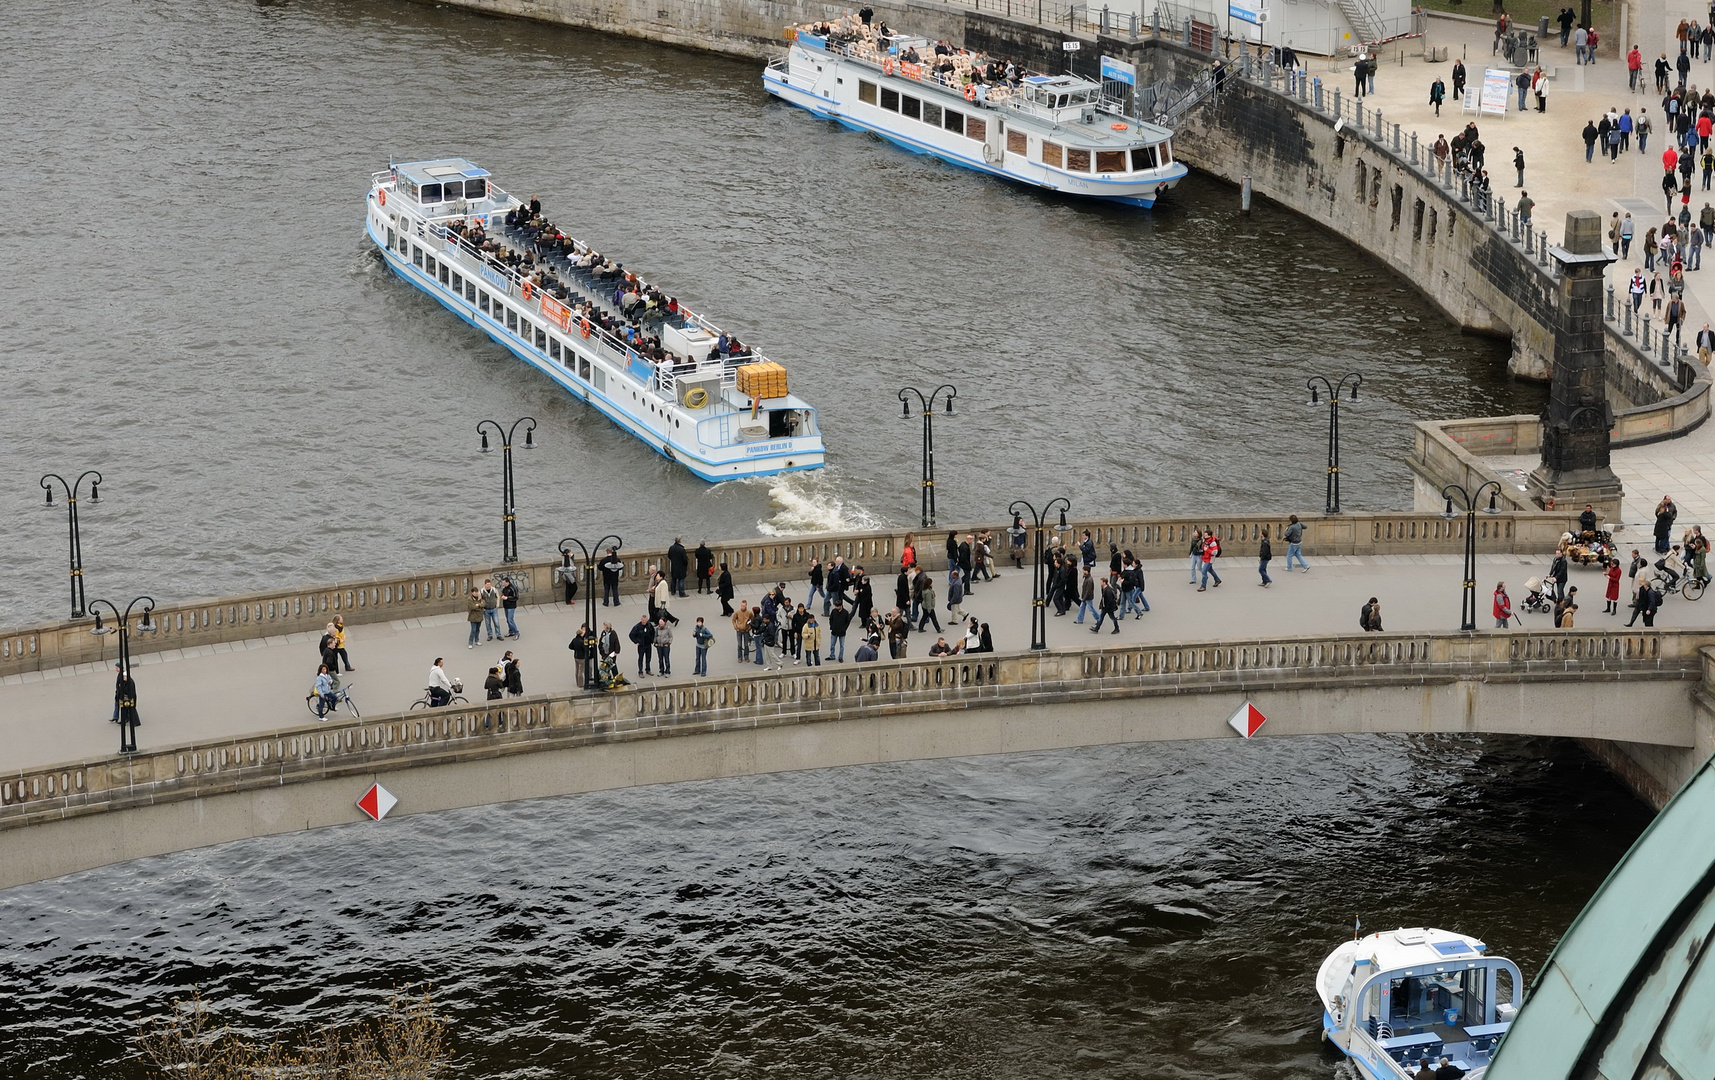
(764, 380)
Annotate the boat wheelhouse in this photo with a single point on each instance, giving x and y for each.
(664, 374)
(1058, 132)
(1395, 1000)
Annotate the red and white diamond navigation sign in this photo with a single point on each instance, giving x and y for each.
(378, 800)
(1247, 720)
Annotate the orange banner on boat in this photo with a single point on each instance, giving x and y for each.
(559, 314)
(912, 71)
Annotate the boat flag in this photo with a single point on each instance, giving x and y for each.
(1247, 720)
(377, 801)
(1357, 925)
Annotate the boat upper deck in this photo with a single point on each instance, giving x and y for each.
(1065, 101)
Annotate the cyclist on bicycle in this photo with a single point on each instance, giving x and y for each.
(326, 698)
(440, 687)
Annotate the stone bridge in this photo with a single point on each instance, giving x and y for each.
(1643, 692)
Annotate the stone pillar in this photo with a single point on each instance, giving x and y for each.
(1577, 423)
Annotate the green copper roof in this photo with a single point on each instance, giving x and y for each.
(1629, 993)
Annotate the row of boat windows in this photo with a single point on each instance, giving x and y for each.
(446, 191)
(543, 342)
(1069, 159)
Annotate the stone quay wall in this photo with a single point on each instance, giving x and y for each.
(415, 595)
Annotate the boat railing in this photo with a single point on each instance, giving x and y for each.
(603, 342)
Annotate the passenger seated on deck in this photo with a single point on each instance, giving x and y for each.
(1448, 1071)
(941, 49)
(911, 56)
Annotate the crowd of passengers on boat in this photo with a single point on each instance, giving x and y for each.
(548, 253)
(972, 74)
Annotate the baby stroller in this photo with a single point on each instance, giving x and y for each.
(1536, 600)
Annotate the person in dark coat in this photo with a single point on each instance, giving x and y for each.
(494, 684)
(705, 567)
(643, 636)
(902, 591)
(514, 679)
(125, 711)
(1458, 78)
(1665, 513)
(678, 567)
(723, 589)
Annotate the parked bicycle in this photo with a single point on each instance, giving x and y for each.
(427, 701)
(342, 696)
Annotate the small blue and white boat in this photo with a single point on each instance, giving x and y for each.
(1396, 1000)
(660, 373)
(1058, 132)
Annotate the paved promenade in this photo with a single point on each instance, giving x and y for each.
(259, 685)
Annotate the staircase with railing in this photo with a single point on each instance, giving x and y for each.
(1367, 23)
(1167, 102)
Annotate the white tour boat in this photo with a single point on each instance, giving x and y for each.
(1057, 132)
(722, 413)
(1393, 1001)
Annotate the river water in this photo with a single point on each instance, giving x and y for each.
(189, 306)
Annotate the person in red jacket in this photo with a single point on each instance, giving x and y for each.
(1503, 606)
(1613, 605)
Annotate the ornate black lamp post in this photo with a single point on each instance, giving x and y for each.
(1039, 575)
(78, 609)
(592, 663)
(1317, 385)
(1469, 500)
(926, 406)
(509, 518)
(125, 692)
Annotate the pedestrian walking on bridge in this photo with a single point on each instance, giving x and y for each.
(1295, 544)
(1503, 606)
(1265, 552)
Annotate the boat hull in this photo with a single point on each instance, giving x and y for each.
(767, 458)
(1130, 193)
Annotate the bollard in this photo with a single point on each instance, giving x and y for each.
(1378, 118)
(1396, 138)
(1464, 188)
(1358, 111)
(1303, 91)
(1648, 341)
(1414, 148)
(1516, 227)
(1336, 103)
(1529, 238)
(1154, 22)
(1133, 25)
(1542, 247)
(1317, 83)
(1245, 195)
(1610, 302)
(1629, 330)
(1666, 362)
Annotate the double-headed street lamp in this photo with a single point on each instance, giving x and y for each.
(1039, 574)
(78, 609)
(592, 662)
(509, 504)
(926, 406)
(125, 690)
(1469, 501)
(1317, 385)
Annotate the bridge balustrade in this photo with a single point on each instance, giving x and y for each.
(885, 688)
(408, 596)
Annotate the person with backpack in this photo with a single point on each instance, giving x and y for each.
(1370, 616)
(1211, 552)
(1109, 609)
(1295, 544)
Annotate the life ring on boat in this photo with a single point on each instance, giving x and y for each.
(381, 193)
(1119, 127)
(526, 290)
(584, 327)
(697, 398)
(887, 66)
(970, 91)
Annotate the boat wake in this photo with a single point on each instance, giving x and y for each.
(801, 503)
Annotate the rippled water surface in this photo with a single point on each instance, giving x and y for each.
(191, 307)
(188, 304)
(1152, 911)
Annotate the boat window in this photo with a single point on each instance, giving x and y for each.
(541, 340)
(475, 189)
(583, 369)
(470, 290)
(429, 264)
(443, 273)
(391, 238)
(458, 283)
(953, 121)
(976, 128)
(416, 255)
(410, 187)
(431, 193)
(890, 99)
(1143, 157)
(511, 319)
(1110, 161)
(1077, 160)
(1051, 154)
(554, 349)
(452, 189)
(866, 92)
(910, 106)
(931, 113)
(601, 380)
(1016, 143)
(1166, 154)
(482, 302)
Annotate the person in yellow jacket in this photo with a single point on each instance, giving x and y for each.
(338, 631)
(812, 643)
